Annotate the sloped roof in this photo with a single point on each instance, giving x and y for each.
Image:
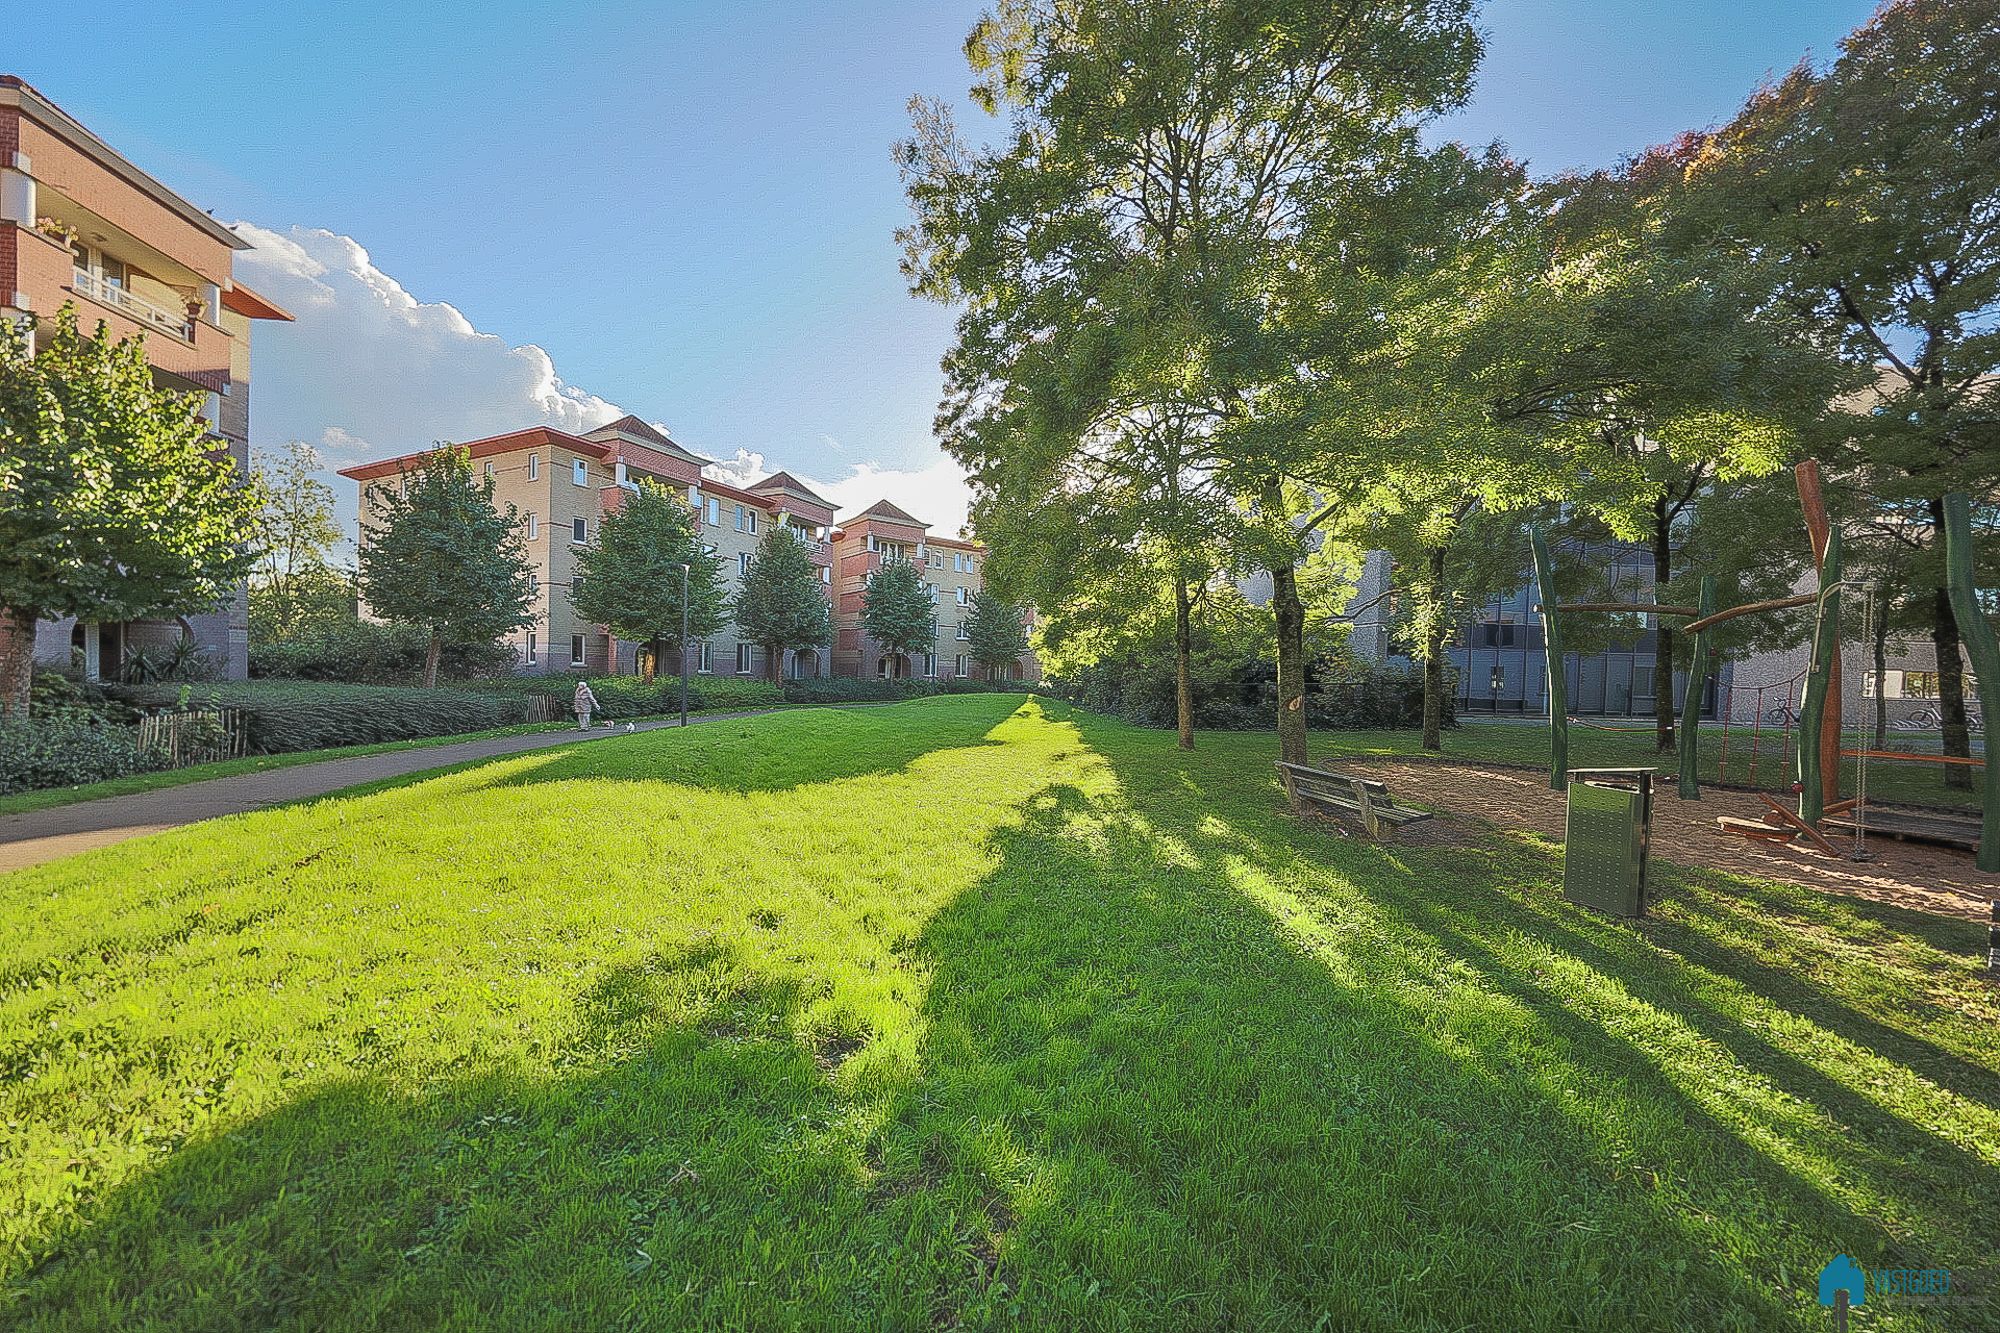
(785, 481)
(884, 510)
(631, 425)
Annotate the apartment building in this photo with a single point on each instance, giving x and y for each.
(564, 485)
(81, 225)
(951, 567)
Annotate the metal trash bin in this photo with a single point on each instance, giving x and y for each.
(1609, 832)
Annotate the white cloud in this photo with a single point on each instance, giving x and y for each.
(369, 371)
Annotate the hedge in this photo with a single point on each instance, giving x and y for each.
(67, 750)
(283, 716)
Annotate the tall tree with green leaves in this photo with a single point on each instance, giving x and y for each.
(114, 501)
(630, 578)
(782, 605)
(293, 574)
(897, 611)
(1862, 199)
(1114, 256)
(438, 554)
(996, 633)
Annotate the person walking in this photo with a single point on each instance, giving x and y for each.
(584, 703)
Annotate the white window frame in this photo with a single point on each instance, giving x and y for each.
(579, 531)
(534, 526)
(714, 512)
(534, 466)
(579, 471)
(577, 650)
(486, 469)
(930, 664)
(739, 519)
(963, 593)
(958, 631)
(531, 648)
(742, 564)
(958, 663)
(704, 658)
(826, 575)
(753, 521)
(744, 663)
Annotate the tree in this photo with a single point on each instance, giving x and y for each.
(630, 578)
(1862, 198)
(293, 578)
(897, 611)
(782, 605)
(1115, 254)
(114, 501)
(436, 553)
(996, 632)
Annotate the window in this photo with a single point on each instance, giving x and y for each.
(531, 648)
(753, 519)
(576, 650)
(958, 664)
(579, 471)
(826, 574)
(959, 632)
(578, 531)
(704, 657)
(743, 564)
(534, 584)
(1496, 634)
(740, 527)
(743, 651)
(930, 664)
(534, 466)
(488, 469)
(575, 586)
(1920, 684)
(1892, 685)
(534, 527)
(714, 512)
(937, 561)
(962, 591)
(708, 548)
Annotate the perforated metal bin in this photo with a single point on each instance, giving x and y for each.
(1609, 832)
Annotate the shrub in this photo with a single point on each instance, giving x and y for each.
(631, 696)
(361, 652)
(839, 690)
(283, 716)
(68, 749)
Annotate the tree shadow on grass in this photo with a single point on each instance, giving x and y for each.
(1174, 1062)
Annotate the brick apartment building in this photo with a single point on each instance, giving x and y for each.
(952, 571)
(79, 224)
(563, 485)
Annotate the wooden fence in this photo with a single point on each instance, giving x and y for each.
(196, 735)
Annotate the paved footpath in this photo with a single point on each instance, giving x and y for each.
(43, 835)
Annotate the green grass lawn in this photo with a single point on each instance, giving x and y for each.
(21, 802)
(967, 1012)
(1518, 743)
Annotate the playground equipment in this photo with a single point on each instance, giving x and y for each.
(1814, 744)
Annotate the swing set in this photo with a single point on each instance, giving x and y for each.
(1809, 734)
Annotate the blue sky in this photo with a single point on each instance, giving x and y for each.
(688, 207)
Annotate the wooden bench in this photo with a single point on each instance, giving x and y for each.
(1348, 795)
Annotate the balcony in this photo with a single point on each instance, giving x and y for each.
(86, 283)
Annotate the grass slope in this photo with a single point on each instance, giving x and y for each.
(948, 1014)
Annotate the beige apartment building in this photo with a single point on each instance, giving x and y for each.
(563, 485)
(952, 571)
(80, 225)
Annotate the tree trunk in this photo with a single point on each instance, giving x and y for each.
(1434, 654)
(1663, 634)
(1951, 689)
(1881, 674)
(431, 656)
(1291, 617)
(1183, 676)
(17, 659)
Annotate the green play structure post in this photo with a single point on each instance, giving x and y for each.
(1545, 587)
(1697, 681)
(1826, 642)
(1975, 631)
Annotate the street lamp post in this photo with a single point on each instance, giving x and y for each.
(684, 644)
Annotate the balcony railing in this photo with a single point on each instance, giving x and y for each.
(177, 323)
